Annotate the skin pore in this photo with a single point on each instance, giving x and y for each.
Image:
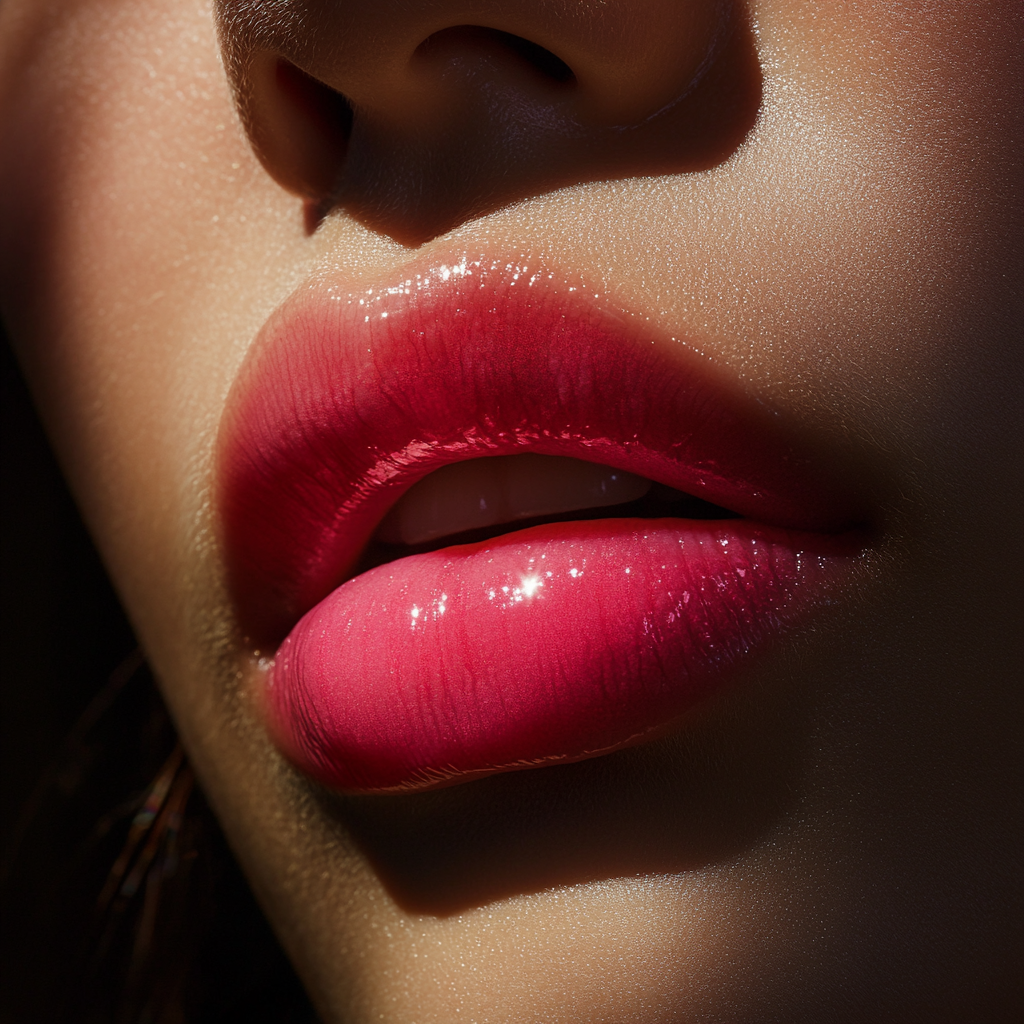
(834, 838)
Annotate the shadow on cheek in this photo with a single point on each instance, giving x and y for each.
(676, 804)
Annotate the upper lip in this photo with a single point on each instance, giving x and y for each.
(348, 398)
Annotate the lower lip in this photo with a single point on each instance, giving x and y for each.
(547, 645)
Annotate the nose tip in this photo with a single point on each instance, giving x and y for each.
(417, 117)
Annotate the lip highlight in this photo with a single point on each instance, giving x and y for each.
(547, 644)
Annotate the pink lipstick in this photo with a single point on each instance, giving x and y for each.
(550, 643)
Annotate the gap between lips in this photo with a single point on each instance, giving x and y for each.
(482, 498)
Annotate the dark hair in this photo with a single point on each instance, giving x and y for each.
(120, 901)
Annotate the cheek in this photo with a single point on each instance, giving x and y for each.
(862, 243)
(131, 205)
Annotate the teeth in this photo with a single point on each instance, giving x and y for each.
(502, 489)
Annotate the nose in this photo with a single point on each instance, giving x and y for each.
(417, 116)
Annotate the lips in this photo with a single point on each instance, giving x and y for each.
(546, 644)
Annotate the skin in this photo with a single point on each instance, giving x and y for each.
(836, 838)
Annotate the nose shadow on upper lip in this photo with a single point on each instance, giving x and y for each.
(697, 797)
(453, 120)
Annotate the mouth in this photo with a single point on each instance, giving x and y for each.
(489, 524)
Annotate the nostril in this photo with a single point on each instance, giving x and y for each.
(412, 128)
(465, 39)
(326, 109)
(536, 56)
(301, 130)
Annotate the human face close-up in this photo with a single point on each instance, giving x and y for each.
(562, 462)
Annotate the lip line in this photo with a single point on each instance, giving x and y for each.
(804, 501)
(377, 552)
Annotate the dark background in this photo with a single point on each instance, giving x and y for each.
(83, 734)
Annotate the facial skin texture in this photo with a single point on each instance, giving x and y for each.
(836, 839)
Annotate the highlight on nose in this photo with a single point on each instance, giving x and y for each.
(414, 118)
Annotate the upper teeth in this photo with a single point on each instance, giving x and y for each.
(501, 489)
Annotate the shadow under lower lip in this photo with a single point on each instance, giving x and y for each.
(674, 805)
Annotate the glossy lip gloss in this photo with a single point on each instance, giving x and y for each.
(547, 644)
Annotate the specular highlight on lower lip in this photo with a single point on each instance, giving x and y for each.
(551, 644)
